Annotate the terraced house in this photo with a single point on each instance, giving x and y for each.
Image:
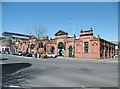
(86, 46)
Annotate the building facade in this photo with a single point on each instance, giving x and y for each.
(14, 39)
(16, 36)
(86, 46)
(5, 44)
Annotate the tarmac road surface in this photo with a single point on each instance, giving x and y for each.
(57, 72)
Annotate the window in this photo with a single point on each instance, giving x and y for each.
(101, 50)
(41, 44)
(78, 47)
(3, 49)
(7, 49)
(45, 47)
(86, 47)
(32, 46)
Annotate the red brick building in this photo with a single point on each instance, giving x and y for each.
(86, 46)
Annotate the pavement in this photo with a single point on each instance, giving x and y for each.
(108, 60)
(58, 72)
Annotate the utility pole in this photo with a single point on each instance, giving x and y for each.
(73, 34)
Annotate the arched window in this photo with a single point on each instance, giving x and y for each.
(86, 45)
(61, 49)
(32, 47)
(41, 44)
(45, 47)
(70, 51)
(61, 45)
(101, 50)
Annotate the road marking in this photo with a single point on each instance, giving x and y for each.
(43, 67)
(83, 87)
(2, 63)
(14, 86)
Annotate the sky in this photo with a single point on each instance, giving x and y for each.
(102, 17)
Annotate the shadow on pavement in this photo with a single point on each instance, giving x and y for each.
(11, 71)
(13, 67)
(1, 59)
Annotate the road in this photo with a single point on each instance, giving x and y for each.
(57, 72)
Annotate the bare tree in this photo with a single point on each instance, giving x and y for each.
(38, 31)
(28, 31)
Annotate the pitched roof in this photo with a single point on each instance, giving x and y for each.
(60, 32)
(115, 42)
(10, 33)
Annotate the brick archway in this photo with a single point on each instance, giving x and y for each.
(32, 47)
(61, 49)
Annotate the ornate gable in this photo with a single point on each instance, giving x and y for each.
(60, 32)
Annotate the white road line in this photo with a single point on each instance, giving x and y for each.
(14, 86)
(43, 67)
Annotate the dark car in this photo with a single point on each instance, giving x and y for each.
(27, 54)
(13, 53)
(38, 53)
(24, 53)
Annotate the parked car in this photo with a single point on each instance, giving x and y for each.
(43, 55)
(24, 53)
(7, 52)
(50, 55)
(20, 53)
(116, 56)
(2, 52)
(27, 54)
(38, 54)
(13, 53)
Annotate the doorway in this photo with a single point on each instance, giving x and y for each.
(70, 51)
(61, 49)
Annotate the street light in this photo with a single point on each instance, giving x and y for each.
(73, 33)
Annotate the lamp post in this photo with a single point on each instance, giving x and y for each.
(73, 34)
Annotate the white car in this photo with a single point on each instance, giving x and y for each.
(50, 55)
(20, 54)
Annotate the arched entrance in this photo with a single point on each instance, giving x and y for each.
(70, 51)
(32, 47)
(61, 49)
